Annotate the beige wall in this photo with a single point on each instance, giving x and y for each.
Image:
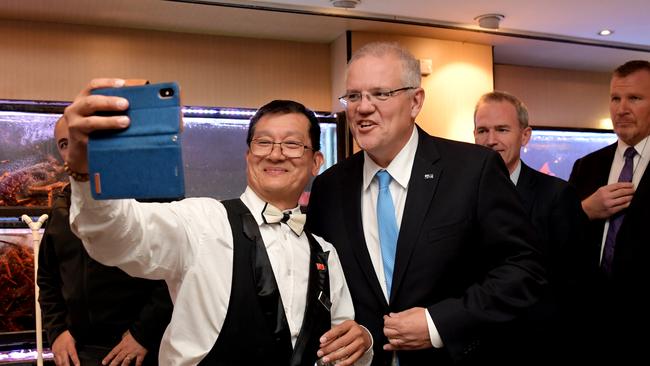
(559, 98)
(46, 61)
(462, 72)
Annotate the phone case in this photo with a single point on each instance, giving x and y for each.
(143, 161)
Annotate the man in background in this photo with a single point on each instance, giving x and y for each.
(614, 186)
(501, 124)
(433, 239)
(94, 313)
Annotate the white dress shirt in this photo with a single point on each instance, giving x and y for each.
(639, 165)
(514, 177)
(400, 170)
(189, 244)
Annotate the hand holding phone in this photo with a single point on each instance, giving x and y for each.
(143, 160)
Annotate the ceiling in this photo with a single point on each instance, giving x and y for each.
(550, 33)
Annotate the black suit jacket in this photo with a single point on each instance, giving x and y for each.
(463, 250)
(554, 209)
(622, 308)
(543, 335)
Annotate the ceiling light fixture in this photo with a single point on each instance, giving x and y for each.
(605, 32)
(348, 4)
(489, 21)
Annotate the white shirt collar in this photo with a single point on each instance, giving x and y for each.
(514, 177)
(640, 148)
(399, 168)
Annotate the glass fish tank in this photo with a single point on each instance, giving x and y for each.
(213, 140)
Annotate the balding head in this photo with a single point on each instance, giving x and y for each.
(61, 137)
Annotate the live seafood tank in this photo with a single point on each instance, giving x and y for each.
(214, 147)
(17, 303)
(30, 170)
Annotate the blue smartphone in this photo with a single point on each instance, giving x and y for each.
(144, 160)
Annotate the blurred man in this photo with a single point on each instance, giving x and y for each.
(250, 286)
(501, 123)
(614, 186)
(434, 242)
(91, 312)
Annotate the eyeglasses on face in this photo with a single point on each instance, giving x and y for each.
(291, 149)
(373, 95)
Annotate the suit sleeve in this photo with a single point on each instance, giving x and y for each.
(514, 276)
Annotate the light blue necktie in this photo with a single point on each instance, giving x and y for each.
(387, 225)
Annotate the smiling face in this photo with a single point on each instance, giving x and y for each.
(275, 178)
(629, 106)
(497, 127)
(381, 128)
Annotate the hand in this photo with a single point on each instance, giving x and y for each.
(407, 330)
(81, 119)
(127, 351)
(344, 343)
(608, 200)
(64, 350)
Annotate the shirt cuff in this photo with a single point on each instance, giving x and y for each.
(372, 341)
(434, 336)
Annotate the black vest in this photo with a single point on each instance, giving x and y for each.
(255, 330)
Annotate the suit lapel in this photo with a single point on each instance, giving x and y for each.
(351, 188)
(425, 176)
(526, 187)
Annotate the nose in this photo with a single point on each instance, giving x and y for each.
(366, 106)
(491, 139)
(276, 152)
(622, 106)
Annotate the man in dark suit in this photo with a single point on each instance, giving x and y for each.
(460, 261)
(501, 123)
(614, 186)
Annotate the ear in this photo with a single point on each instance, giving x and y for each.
(417, 100)
(525, 136)
(317, 162)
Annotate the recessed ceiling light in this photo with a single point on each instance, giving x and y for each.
(489, 21)
(605, 32)
(347, 4)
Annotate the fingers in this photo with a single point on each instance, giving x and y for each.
(139, 360)
(73, 356)
(122, 358)
(608, 200)
(349, 355)
(344, 343)
(61, 359)
(336, 332)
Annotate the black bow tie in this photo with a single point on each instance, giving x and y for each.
(295, 221)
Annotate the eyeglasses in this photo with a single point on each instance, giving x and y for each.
(290, 149)
(374, 95)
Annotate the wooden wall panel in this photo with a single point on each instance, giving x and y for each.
(561, 98)
(47, 61)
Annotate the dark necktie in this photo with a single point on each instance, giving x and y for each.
(387, 227)
(616, 220)
(295, 221)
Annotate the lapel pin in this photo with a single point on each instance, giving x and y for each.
(320, 266)
(429, 176)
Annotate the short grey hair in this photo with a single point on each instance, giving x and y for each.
(410, 65)
(500, 96)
